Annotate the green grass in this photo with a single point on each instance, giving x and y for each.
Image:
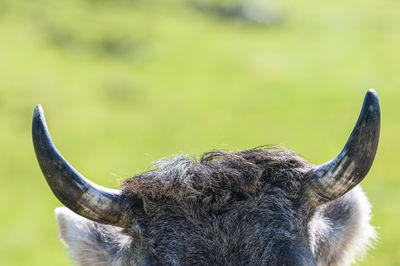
(124, 83)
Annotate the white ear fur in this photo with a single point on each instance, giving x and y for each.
(337, 244)
(364, 234)
(76, 233)
(70, 225)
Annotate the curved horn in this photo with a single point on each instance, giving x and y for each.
(97, 203)
(334, 178)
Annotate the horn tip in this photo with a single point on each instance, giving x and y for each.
(38, 121)
(372, 101)
(38, 112)
(371, 93)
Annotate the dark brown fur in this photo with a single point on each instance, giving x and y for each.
(221, 177)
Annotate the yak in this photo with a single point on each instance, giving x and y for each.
(262, 206)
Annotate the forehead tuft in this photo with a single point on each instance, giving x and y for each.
(219, 175)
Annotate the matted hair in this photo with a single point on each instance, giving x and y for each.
(219, 177)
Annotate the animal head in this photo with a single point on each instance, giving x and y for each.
(260, 206)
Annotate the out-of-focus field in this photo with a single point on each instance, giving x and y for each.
(124, 83)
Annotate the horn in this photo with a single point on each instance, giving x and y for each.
(97, 203)
(336, 177)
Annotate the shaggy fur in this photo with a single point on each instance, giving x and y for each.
(244, 208)
(219, 179)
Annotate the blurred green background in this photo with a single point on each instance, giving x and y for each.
(124, 83)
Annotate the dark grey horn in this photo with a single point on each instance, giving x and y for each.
(97, 203)
(336, 177)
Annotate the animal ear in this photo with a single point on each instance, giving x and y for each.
(91, 243)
